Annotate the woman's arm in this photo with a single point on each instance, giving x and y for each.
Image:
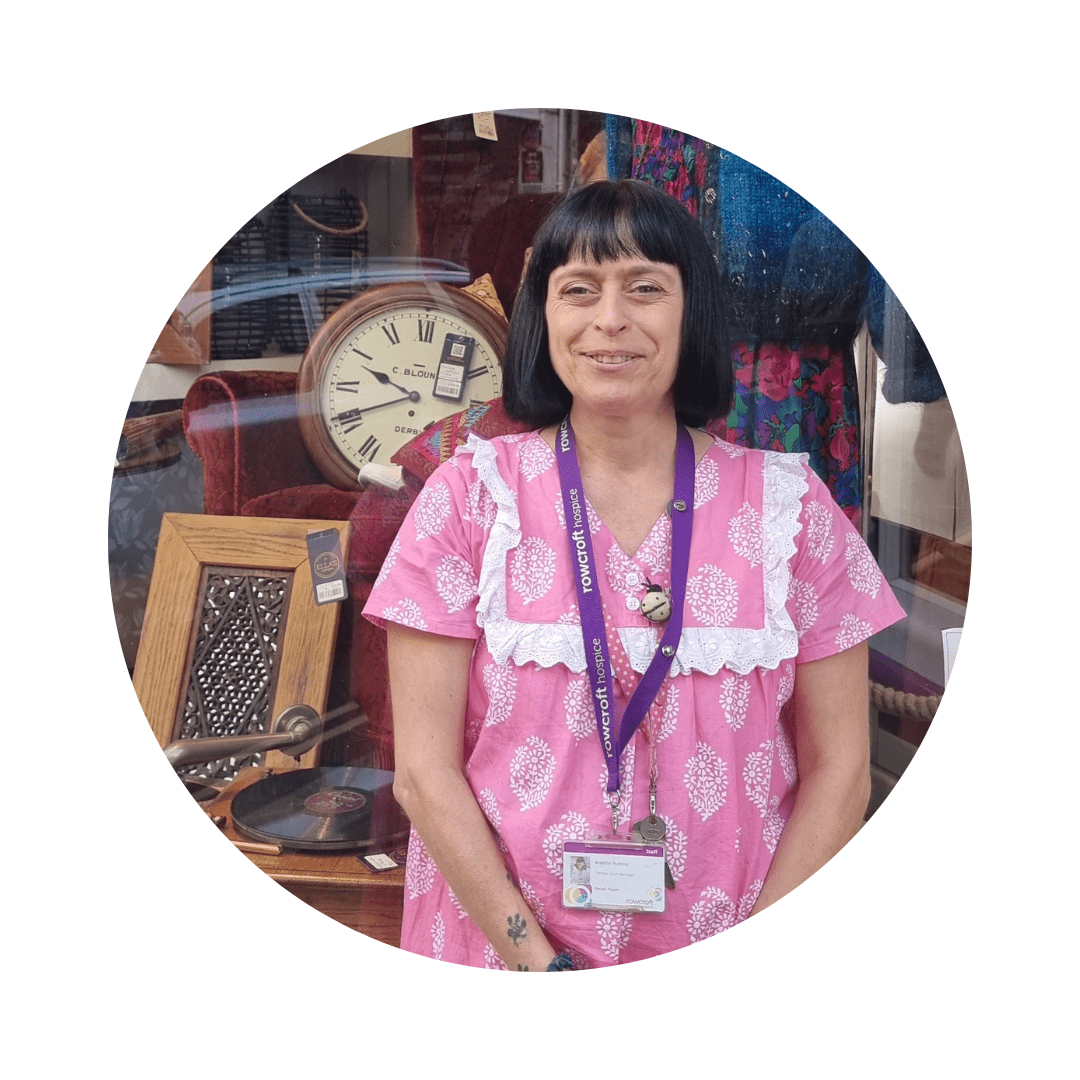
(832, 745)
(429, 683)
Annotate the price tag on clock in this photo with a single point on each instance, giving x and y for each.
(453, 367)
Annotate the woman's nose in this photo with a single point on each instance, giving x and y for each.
(611, 313)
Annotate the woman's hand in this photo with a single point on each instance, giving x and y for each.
(832, 746)
(429, 681)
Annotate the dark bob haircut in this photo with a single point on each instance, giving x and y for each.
(603, 221)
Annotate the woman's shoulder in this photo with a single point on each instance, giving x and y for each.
(517, 457)
(734, 457)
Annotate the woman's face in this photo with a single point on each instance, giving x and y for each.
(614, 333)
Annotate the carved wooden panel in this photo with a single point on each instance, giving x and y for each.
(232, 634)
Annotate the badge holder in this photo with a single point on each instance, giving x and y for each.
(613, 874)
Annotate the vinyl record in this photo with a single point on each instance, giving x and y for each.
(324, 809)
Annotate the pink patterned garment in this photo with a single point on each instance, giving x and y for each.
(777, 576)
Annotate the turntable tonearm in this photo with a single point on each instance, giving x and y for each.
(310, 825)
(317, 809)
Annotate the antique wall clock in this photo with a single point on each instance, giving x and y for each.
(386, 364)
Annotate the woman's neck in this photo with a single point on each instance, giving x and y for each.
(628, 444)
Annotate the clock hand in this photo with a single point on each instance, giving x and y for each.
(385, 380)
(352, 414)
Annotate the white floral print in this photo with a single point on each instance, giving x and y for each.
(500, 682)
(669, 714)
(852, 631)
(489, 803)
(438, 935)
(572, 826)
(419, 867)
(706, 781)
(757, 776)
(580, 715)
(674, 848)
(407, 613)
(619, 568)
(533, 899)
(716, 911)
(744, 534)
(735, 700)
(531, 772)
(480, 508)
(862, 570)
(455, 581)
(787, 684)
(532, 569)
(431, 510)
(804, 600)
(712, 914)
(713, 596)
(614, 929)
(706, 482)
(819, 531)
(535, 458)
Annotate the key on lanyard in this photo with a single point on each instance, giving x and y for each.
(652, 830)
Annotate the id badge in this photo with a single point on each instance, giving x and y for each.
(613, 875)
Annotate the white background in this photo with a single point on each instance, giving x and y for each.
(139, 943)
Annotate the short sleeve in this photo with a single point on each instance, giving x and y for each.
(428, 580)
(837, 595)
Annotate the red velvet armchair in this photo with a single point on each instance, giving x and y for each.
(243, 427)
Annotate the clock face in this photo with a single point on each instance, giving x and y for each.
(387, 364)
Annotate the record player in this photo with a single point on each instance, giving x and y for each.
(233, 674)
(322, 809)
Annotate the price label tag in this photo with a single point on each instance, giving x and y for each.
(484, 125)
(327, 568)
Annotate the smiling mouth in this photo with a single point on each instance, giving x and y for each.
(612, 359)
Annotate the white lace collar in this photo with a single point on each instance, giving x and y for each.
(701, 648)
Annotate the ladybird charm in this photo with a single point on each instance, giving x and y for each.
(656, 603)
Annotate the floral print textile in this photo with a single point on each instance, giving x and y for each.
(797, 400)
(796, 293)
(778, 576)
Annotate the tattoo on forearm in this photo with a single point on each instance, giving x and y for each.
(516, 929)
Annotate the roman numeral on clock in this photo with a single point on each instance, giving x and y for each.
(370, 448)
(349, 420)
(425, 330)
(391, 332)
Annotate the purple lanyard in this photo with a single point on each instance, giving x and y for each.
(597, 658)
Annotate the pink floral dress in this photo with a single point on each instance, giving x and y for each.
(777, 577)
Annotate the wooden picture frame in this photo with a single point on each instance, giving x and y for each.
(189, 542)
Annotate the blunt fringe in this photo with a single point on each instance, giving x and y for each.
(603, 221)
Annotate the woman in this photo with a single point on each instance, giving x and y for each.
(517, 601)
